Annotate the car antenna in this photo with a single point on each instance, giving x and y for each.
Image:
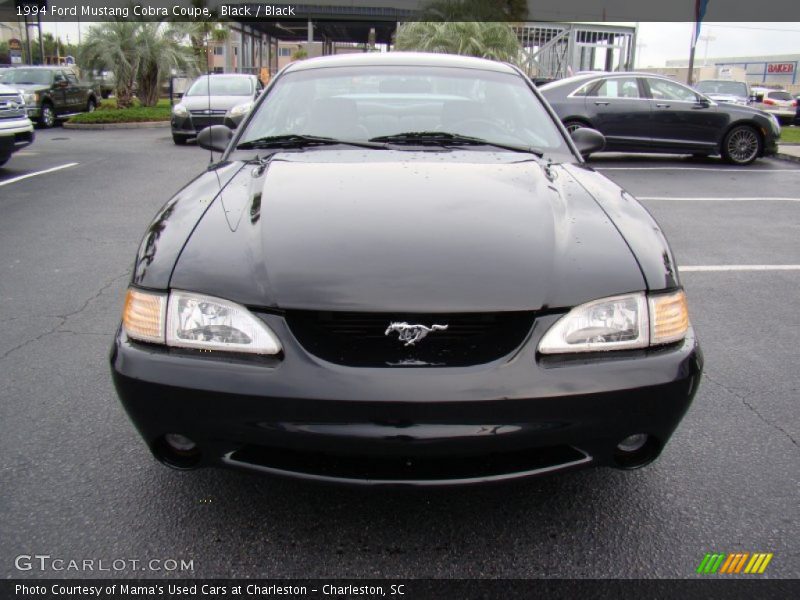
(208, 86)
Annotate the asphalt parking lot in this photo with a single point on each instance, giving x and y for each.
(78, 482)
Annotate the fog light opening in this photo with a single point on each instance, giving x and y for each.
(636, 451)
(177, 451)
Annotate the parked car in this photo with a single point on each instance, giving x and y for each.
(105, 82)
(776, 102)
(726, 90)
(797, 110)
(642, 112)
(424, 288)
(16, 129)
(228, 101)
(51, 93)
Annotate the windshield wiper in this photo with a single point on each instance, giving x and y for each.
(443, 138)
(295, 140)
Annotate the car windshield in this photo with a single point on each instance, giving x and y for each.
(780, 96)
(27, 76)
(222, 86)
(362, 103)
(733, 88)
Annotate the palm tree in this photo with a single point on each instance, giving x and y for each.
(113, 46)
(161, 50)
(202, 32)
(493, 40)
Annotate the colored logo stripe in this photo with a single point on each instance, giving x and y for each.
(734, 563)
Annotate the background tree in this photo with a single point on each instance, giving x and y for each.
(201, 32)
(161, 49)
(493, 40)
(113, 46)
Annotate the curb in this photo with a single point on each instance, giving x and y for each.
(139, 125)
(790, 157)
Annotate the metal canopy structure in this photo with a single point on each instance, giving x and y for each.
(331, 23)
(556, 50)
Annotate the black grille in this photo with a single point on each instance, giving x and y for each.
(202, 121)
(360, 339)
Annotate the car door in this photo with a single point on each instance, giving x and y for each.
(58, 92)
(74, 93)
(683, 120)
(618, 108)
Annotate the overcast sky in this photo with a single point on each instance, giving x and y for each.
(658, 42)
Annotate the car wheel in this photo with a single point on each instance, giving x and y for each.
(742, 145)
(573, 125)
(92, 105)
(105, 95)
(179, 140)
(47, 115)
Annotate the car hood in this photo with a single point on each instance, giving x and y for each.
(29, 87)
(459, 231)
(217, 102)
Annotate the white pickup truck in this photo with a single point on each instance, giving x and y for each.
(16, 129)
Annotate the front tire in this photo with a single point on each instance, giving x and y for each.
(179, 140)
(47, 116)
(91, 106)
(742, 145)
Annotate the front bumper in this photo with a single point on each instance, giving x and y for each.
(300, 416)
(190, 125)
(15, 134)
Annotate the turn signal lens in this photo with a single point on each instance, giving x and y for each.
(669, 318)
(144, 315)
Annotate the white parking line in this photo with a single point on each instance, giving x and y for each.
(711, 268)
(725, 169)
(715, 199)
(34, 174)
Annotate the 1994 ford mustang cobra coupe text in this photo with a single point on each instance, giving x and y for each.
(402, 272)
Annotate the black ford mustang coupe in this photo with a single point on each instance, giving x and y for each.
(402, 272)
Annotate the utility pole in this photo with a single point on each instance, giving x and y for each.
(706, 38)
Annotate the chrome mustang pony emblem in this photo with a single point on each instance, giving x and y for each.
(411, 334)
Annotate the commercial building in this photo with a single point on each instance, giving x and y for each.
(777, 70)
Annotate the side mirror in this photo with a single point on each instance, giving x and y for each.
(215, 137)
(588, 140)
(703, 103)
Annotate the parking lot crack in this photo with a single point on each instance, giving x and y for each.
(751, 408)
(62, 319)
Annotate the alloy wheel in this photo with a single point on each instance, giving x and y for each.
(742, 145)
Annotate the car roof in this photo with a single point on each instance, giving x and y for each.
(414, 59)
(600, 74)
(241, 75)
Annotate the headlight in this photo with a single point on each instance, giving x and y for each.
(179, 110)
(208, 323)
(188, 320)
(241, 109)
(31, 98)
(619, 323)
